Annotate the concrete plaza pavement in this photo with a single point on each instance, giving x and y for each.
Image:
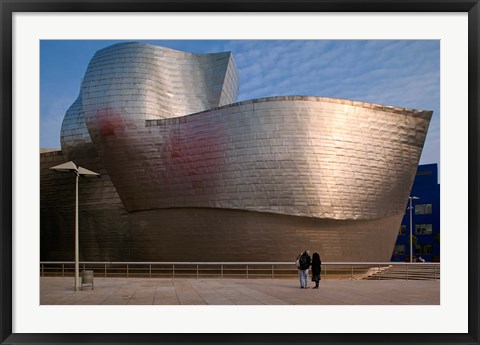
(168, 291)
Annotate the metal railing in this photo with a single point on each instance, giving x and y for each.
(245, 270)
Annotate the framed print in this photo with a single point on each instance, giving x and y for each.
(206, 141)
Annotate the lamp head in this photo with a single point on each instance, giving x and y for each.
(71, 167)
(87, 173)
(65, 167)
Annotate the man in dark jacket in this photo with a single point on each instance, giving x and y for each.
(304, 264)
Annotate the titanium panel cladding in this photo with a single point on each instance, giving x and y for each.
(182, 161)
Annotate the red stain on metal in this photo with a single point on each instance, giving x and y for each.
(110, 121)
(193, 156)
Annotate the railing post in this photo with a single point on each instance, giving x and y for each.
(407, 271)
(352, 273)
(42, 269)
(150, 270)
(378, 275)
(105, 270)
(272, 272)
(197, 271)
(435, 272)
(63, 270)
(173, 271)
(325, 270)
(221, 268)
(127, 270)
(247, 271)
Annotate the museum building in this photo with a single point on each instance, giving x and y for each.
(190, 174)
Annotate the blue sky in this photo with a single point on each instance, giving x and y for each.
(404, 73)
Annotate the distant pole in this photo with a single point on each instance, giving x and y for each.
(77, 268)
(411, 235)
(411, 226)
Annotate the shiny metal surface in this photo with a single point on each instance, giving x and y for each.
(74, 133)
(305, 156)
(255, 180)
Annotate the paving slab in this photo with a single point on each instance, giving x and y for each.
(175, 291)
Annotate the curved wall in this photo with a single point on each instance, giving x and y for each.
(74, 137)
(109, 233)
(141, 81)
(304, 156)
(126, 84)
(212, 234)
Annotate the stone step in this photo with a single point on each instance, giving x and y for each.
(414, 272)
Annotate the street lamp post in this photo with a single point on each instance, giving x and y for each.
(79, 171)
(410, 198)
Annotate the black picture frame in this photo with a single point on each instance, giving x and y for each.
(8, 7)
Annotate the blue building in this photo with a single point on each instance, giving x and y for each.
(425, 219)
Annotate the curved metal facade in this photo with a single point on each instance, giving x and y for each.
(304, 156)
(186, 161)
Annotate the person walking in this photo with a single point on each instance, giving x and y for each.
(316, 269)
(304, 263)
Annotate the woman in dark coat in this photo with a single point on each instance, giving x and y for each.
(316, 269)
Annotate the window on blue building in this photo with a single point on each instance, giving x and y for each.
(423, 229)
(403, 230)
(424, 172)
(423, 209)
(425, 249)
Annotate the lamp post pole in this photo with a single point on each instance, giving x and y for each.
(79, 171)
(77, 264)
(411, 236)
(411, 226)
